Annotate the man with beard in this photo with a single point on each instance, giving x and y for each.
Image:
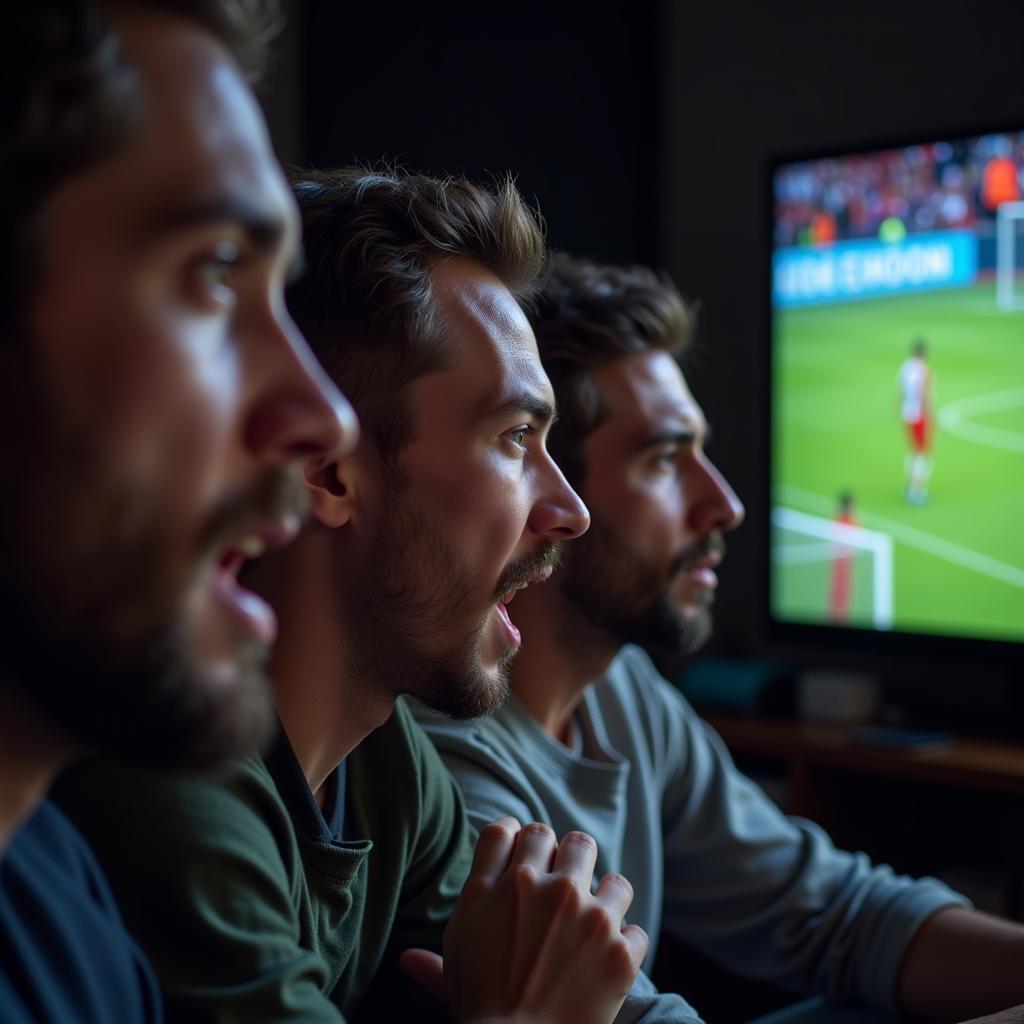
(291, 891)
(158, 407)
(593, 738)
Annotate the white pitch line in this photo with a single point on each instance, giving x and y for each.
(915, 538)
(955, 418)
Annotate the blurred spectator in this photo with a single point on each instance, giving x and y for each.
(999, 183)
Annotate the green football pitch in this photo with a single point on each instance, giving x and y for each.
(957, 562)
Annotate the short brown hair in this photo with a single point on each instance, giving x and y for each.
(365, 304)
(588, 315)
(70, 100)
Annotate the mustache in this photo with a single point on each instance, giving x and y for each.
(278, 495)
(522, 570)
(713, 544)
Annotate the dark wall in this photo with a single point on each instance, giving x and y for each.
(564, 95)
(744, 83)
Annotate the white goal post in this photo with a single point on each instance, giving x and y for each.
(836, 537)
(1008, 217)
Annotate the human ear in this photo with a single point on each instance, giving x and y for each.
(331, 492)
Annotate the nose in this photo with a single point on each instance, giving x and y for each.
(559, 513)
(299, 414)
(715, 506)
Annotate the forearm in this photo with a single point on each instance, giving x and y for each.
(961, 964)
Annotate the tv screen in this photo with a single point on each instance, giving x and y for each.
(897, 472)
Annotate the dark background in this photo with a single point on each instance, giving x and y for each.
(642, 130)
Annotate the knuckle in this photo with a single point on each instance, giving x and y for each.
(581, 839)
(538, 830)
(496, 830)
(621, 882)
(564, 893)
(523, 879)
(619, 961)
(598, 923)
(474, 888)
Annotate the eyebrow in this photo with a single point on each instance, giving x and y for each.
(677, 436)
(536, 407)
(265, 230)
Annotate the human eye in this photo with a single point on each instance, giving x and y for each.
(210, 278)
(517, 436)
(667, 456)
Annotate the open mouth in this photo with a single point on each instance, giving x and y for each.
(701, 571)
(537, 577)
(514, 637)
(249, 609)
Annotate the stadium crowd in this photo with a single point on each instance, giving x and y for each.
(886, 194)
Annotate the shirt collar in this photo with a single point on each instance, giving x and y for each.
(310, 822)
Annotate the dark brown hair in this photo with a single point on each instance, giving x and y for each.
(588, 315)
(365, 304)
(70, 99)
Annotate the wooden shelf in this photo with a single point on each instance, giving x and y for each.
(971, 763)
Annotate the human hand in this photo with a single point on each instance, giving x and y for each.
(528, 941)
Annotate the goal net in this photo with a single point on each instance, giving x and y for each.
(830, 572)
(1009, 255)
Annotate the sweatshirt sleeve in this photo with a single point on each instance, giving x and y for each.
(646, 1005)
(770, 896)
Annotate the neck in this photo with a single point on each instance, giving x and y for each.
(323, 708)
(561, 656)
(32, 752)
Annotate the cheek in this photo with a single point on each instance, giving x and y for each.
(508, 524)
(644, 508)
(200, 432)
(495, 516)
(158, 400)
(122, 351)
(483, 505)
(652, 516)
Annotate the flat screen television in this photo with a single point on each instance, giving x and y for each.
(897, 396)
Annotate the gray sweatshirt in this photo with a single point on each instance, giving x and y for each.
(710, 857)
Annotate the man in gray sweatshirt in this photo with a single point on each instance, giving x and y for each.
(594, 738)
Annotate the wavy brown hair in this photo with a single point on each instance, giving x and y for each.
(591, 314)
(365, 302)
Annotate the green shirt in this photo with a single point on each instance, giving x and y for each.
(249, 911)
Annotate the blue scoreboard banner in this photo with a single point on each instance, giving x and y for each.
(868, 268)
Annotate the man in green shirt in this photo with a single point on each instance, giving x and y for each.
(290, 890)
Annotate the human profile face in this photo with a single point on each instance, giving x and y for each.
(645, 573)
(168, 405)
(472, 509)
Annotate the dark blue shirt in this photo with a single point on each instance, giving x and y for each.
(64, 953)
